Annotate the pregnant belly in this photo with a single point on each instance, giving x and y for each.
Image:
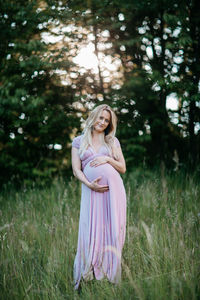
(106, 171)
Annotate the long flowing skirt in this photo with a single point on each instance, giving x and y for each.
(102, 227)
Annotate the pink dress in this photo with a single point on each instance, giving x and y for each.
(102, 223)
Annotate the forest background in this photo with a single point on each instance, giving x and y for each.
(61, 58)
(58, 60)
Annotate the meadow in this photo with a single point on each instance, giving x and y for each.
(38, 234)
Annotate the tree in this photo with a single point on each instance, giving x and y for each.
(149, 39)
(36, 109)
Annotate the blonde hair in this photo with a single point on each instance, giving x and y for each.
(108, 139)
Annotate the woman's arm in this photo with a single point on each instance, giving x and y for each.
(118, 164)
(78, 173)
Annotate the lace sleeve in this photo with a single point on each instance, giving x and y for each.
(117, 143)
(76, 142)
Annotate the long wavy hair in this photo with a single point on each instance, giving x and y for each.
(108, 138)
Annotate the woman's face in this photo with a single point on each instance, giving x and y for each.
(102, 121)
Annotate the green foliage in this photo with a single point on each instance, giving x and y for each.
(35, 109)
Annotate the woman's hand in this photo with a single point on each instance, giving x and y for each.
(97, 187)
(100, 160)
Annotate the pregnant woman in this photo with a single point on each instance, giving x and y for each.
(97, 160)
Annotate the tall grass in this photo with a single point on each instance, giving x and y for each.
(39, 227)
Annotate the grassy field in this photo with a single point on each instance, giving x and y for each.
(39, 227)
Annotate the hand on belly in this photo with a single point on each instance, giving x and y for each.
(95, 186)
(104, 170)
(97, 161)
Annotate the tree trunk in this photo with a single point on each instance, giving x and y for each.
(97, 55)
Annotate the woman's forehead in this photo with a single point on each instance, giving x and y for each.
(105, 114)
